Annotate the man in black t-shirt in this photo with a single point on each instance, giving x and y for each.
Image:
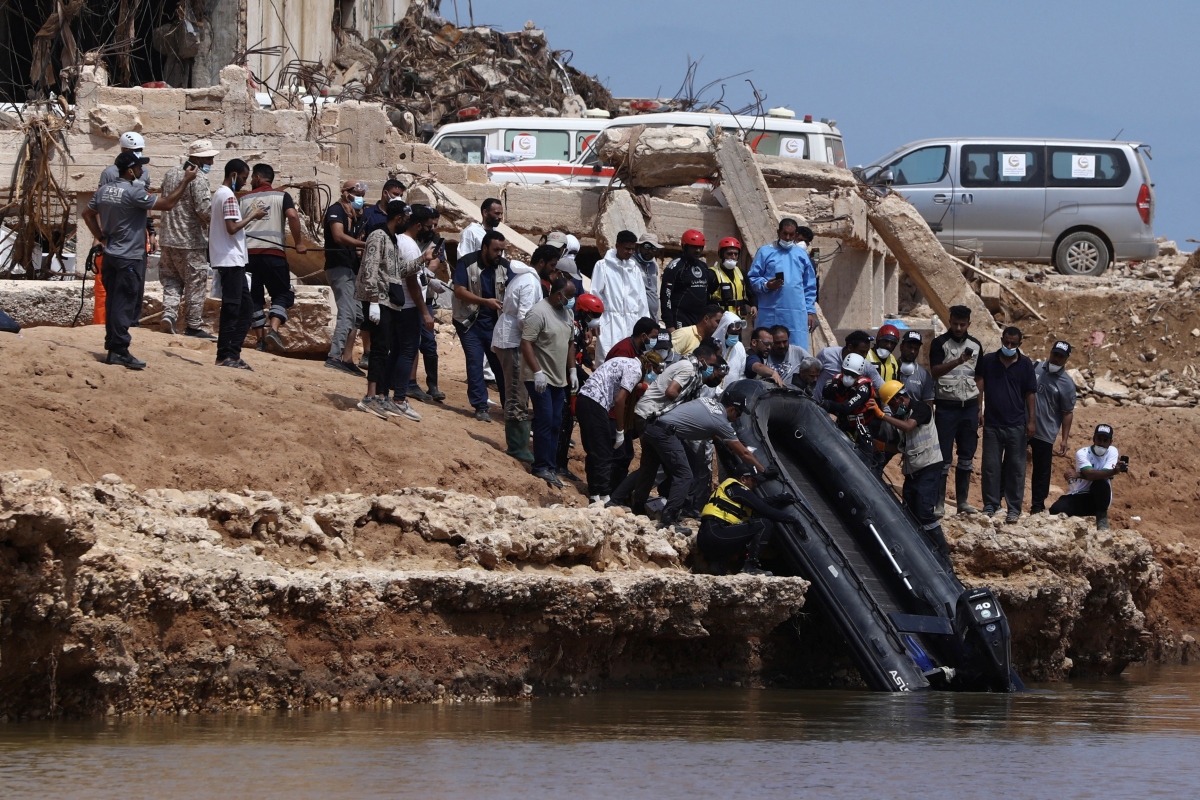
(343, 245)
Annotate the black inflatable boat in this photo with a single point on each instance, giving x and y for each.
(908, 620)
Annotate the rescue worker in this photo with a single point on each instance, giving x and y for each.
(737, 522)
(734, 292)
(785, 282)
(1091, 480)
(880, 356)
(646, 254)
(848, 397)
(687, 284)
(587, 309)
(915, 378)
(953, 357)
(921, 456)
(618, 282)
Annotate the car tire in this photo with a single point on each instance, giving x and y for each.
(1082, 253)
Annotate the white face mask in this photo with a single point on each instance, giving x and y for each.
(729, 263)
(1054, 367)
(882, 352)
(848, 380)
(1099, 450)
(786, 245)
(908, 368)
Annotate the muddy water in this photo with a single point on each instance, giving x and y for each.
(1137, 736)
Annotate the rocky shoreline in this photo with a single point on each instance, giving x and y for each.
(114, 600)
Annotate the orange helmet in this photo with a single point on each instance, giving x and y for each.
(590, 303)
(888, 332)
(729, 241)
(693, 237)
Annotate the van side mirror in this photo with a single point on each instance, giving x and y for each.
(885, 178)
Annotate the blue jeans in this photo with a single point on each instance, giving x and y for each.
(547, 420)
(477, 345)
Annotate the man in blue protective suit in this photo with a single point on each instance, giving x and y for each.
(785, 280)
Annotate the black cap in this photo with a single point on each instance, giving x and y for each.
(127, 159)
(1103, 429)
(742, 470)
(960, 312)
(912, 336)
(1061, 347)
(663, 342)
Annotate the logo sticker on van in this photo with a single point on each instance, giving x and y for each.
(524, 145)
(1013, 165)
(791, 148)
(1083, 166)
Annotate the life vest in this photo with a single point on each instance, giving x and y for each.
(735, 282)
(920, 447)
(889, 368)
(721, 506)
(959, 383)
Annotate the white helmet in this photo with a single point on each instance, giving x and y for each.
(854, 363)
(132, 141)
(572, 243)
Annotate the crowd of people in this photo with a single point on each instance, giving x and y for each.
(648, 354)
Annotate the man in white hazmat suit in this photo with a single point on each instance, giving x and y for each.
(729, 339)
(618, 282)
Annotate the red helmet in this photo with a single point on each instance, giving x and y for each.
(888, 332)
(590, 303)
(729, 241)
(693, 237)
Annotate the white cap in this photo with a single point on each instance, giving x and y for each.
(854, 363)
(132, 140)
(572, 243)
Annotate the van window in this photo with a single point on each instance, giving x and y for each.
(835, 153)
(551, 145)
(582, 140)
(998, 165)
(771, 143)
(927, 165)
(463, 149)
(1088, 166)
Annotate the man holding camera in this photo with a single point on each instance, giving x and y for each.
(953, 357)
(1091, 480)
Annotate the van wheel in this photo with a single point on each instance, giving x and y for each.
(1082, 253)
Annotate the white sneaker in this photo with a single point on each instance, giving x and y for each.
(596, 499)
(406, 410)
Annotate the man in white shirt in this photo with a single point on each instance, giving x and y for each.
(491, 212)
(1091, 480)
(227, 251)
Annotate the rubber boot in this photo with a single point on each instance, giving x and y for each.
(431, 378)
(516, 434)
(752, 567)
(939, 507)
(962, 485)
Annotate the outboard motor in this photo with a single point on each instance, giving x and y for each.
(983, 634)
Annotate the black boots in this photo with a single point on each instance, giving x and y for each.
(962, 485)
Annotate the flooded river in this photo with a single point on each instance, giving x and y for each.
(1136, 736)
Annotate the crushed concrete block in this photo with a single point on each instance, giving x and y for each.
(990, 294)
(111, 121)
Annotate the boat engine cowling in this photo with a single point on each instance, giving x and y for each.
(983, 633)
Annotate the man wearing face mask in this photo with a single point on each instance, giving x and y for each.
(1055, 412)
(375, 216)
(131, 142)
(850, 397)
(952, 360)
(880, 356)
(646, 256)
(1091, 480)
(729, 339)
(685, 340)
(491, 213)
(1008, 386)
(734, 293)
(916, 379)
(645, 334)
(785, 281)
(523, 291)
(617, 280)
(183, 263)
(480, 280)
(343, 245)
(857, 342)
(116, 217)
(601, 408)
(687, 283)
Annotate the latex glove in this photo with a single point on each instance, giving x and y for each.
(873, 408)
(373, 313)
(540, 382)
(438, 286)
(620, 440)
(574, 380)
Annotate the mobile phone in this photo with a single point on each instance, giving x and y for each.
(187, 164)
(1124, 460)
(970, 351)
(779, 276)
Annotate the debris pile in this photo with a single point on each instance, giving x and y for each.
(433, 73)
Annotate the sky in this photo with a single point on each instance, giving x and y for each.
(894, 71)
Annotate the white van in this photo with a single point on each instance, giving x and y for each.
(534, 150)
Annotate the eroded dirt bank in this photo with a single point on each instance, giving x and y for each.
(117, 600)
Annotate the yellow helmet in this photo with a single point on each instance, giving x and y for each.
(890, 390)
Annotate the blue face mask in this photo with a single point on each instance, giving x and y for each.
(650, 376)
(1008, 352)
(732, 339)
(708, 371)
(358, 202)
(571, 304)
(206, 168)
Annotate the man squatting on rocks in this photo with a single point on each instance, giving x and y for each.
(1091, 480)
(116, 216)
